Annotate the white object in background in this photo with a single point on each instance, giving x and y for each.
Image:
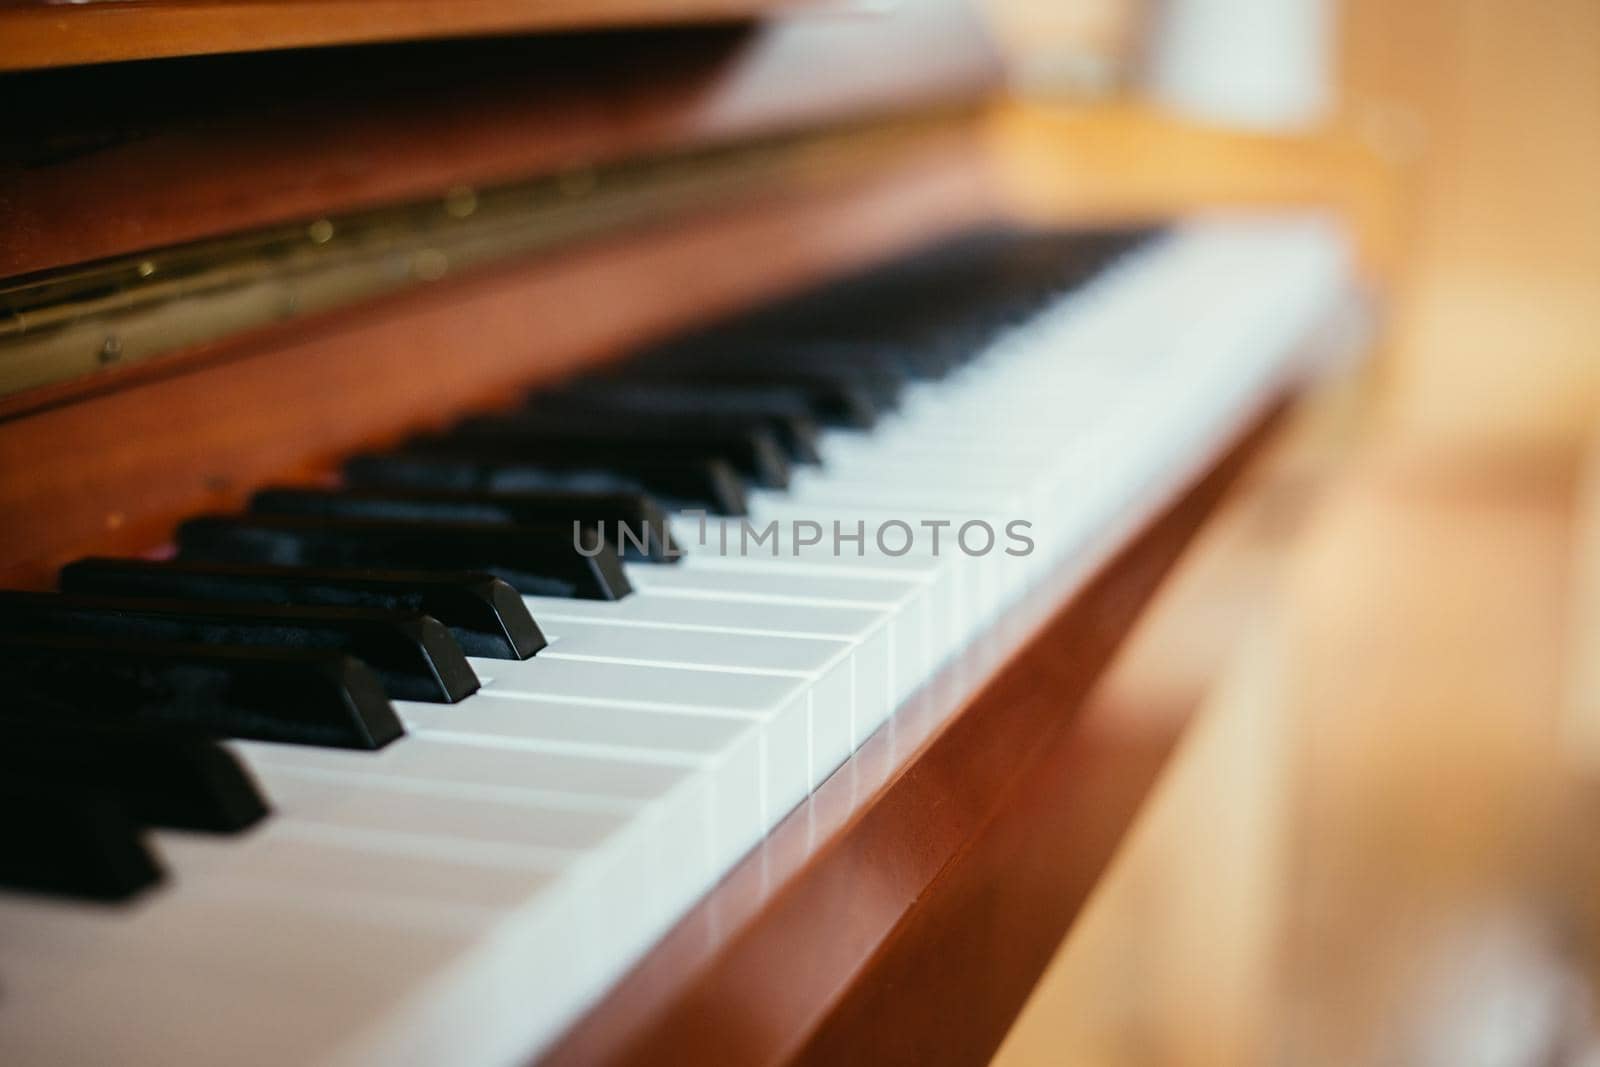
(1261, 64)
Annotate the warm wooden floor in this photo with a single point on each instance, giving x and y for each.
(1378, 843)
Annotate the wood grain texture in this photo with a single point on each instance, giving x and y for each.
(119, 159)
(199, 431)
(908, 899)
(43, 33)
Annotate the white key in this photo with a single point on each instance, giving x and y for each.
(192, 977)
(778, 705)
(867, 630)
(680, 802)
(910, 601)
(727, 751)
(825, 666)
(944, 591)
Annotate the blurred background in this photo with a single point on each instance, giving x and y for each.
(1380, 840)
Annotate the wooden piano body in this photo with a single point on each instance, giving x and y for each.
(234, 268)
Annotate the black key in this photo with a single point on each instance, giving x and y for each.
(270, 694)
(413, 655)
(632, 521)
(485, 615)
(536, 560)
(904, 356)
(709, 485)
(835, 399)
(751, 450)
(924, 355)
(885, 365)
(784, 411)
(69, 841)
(638, 408)
(162, 775)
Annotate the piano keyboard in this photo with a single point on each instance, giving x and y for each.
(479, 764)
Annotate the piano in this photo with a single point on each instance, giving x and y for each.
(574, 533)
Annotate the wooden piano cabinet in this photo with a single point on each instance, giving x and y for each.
(903, 913)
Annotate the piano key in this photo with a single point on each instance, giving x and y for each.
(868, 631)
(895, 363)
(654, 646)
(824, 665)
(918, 350)
(464, 825)
(485, 615)
(438, 824)
(285, 857)
(309, 697)
(916, 471)
(778, 704)
(792, 434)
(922, 619)
(784, 588)
(162, 775)
(430, 463)
(944, 596)
(726, 751)
(978, 585)
(833, 399)
(585, 782)
(603, 730)
(645, 523)
(783, 411)
(387, 946)
(682, 823)
(299, 972)
(848, 395)
(677, 803)
(413, 655)
(532, 559)
(750, 449)
(406, 890)
(825, 489)
(71, 840)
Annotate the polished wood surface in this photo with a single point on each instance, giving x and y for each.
(116, 160)
(44, 33)
(902, 913)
